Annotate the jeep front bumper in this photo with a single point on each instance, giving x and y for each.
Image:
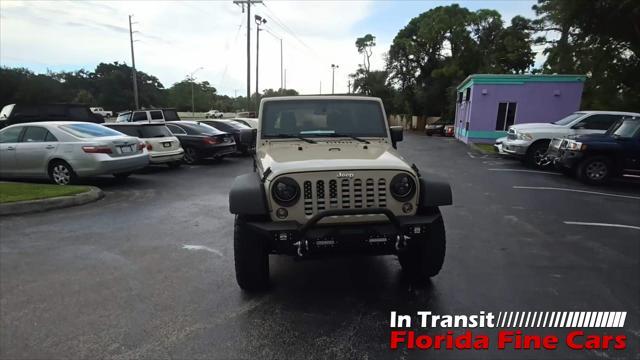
(314, 239)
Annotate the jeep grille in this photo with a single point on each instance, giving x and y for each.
(344, 194)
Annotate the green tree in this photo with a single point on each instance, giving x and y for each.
(365, 46)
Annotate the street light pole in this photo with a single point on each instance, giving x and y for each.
(133, 67)
(259, 21)
(333, 73)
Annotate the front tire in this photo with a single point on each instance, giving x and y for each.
(536, 155)
(595, 170)
(250, 256)
(61, 173)
(424, 256)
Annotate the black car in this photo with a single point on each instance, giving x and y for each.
(236, 129)
(25, 113)
(437, 127)
(595, 158)
(201, 141)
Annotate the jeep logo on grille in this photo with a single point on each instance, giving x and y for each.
(344, 175)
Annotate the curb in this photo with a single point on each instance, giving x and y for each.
(33, 206)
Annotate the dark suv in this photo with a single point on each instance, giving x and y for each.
(595, 158)
(23, 113)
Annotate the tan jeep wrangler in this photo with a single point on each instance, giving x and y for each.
(327, 180)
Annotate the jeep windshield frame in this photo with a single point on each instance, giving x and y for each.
(323, 118)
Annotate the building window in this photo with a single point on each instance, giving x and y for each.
(506, 115)
(467, 96)
(460, 97)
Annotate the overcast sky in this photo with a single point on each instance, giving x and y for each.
(177, 37)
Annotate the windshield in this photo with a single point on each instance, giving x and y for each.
(627, 127)
(316, 118)
(569, 119)
(150, 131)
(89, 130)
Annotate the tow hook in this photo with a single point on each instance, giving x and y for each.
(401, 242)
(303, 247)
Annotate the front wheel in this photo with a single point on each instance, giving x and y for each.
(250, 256)
(424, 256)
(595, 170)
(537, 155)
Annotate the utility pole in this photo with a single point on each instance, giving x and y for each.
(281, 64)
(248, 3)
(133, 64)
(259, 21)
(191, 78)
(333, 73)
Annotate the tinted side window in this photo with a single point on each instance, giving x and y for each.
(10, 135)
(176, 129)
(139, 115)
(156, 115)
(34, 134)
(599, 122)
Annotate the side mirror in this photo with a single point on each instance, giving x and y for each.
(396, 135)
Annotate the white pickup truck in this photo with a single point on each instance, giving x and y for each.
(530, 142)
(101, 111)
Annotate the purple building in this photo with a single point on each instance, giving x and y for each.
(488, 104)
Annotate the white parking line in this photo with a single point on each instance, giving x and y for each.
(524, 170)
(602, 224)
(576, 190)
(202, 247)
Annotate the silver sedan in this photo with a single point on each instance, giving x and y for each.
(64, 151)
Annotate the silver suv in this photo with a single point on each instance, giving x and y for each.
(328, 180)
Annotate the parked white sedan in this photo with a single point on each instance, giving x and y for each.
(64, 151)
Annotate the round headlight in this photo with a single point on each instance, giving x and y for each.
(285, 191)
(402, 187)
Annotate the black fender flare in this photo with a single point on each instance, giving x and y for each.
(434, 192)
(247, 196)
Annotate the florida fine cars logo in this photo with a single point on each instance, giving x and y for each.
(543, 329)
(344, 175)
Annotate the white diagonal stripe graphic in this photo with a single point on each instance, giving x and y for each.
(504, 318)
(521, 319)
(533, 320)
(526, 323)
(598, 319)
(515, 319)
(622, 318)
(499, 317)
(616, 319)
(551, 319)
(611, 318)
(587, 319)
(576, 315)
(581, 319)
(539, 320)
(509, 321)
(562, 319)
(605, 317)
(594, 316)
(569, 319)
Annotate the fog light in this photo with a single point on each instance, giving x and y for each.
(283, 237)
(407, 208)
(282, 213)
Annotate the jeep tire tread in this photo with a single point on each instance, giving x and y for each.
(251, 257)
(424, 256)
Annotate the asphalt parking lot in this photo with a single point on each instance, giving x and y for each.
(148, 271)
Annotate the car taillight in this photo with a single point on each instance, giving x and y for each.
(211, 141)
(97, 149)
(149, 147)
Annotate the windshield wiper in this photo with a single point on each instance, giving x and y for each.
(291, 136)
(345, 135)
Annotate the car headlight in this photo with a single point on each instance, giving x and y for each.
(575, 146)
(402, 187)
(285, 191)
(525, 136)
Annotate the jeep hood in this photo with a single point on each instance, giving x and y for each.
(288, 157)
